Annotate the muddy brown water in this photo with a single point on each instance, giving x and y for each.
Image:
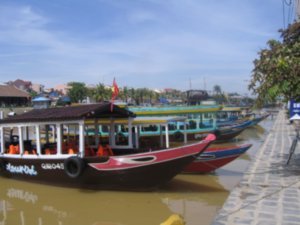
(197, 198)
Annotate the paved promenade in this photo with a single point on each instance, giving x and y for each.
(269, 193)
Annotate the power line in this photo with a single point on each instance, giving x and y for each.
(288, 2)
(297, 10)
(288, 11)
(283, 14)
(291, 12)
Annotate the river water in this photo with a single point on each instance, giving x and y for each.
(197, 198)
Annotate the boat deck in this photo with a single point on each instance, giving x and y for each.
(269, 192)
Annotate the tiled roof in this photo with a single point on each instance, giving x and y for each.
(12, 91)
(89, 111)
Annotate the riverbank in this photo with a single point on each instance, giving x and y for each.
(269, 191)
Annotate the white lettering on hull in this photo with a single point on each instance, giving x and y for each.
(22, 169)
(52, 166)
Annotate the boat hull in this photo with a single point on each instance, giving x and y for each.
(228, 134)
(214, 158)
(137, 171)
(258, 119)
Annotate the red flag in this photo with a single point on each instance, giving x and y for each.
(115, 92)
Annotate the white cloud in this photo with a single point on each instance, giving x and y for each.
(161, 43)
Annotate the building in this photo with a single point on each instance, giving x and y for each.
(38, 88)
(41, 103)
(194, 97)
(21, 84)
(63, 88)
(12, 96)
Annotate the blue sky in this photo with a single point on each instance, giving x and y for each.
(142, 43)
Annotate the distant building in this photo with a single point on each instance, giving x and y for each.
(63, 101)
(63, 88)
(38, 88)
(169, 90)
(194, 97)
(21, 84)
(54, 95)
(12, 96)
(41, 103)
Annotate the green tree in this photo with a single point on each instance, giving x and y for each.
(219, 96)
(32, 93)
(217, 89)
(77, 92)
(125, 94)
(277, 71)
(100, 93)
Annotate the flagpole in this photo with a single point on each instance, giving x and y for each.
(115, 92)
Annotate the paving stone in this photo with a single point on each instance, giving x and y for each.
(290, 200)
(294, 219)
(268, 209)
(290, 223)
(287, 211)
(291, 205)
(242, 221)
(266, 216)
(265, 222)
(268, 203)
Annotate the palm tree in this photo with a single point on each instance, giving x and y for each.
(125, 93)
(218, 94)
(100, 93)
(217, 89)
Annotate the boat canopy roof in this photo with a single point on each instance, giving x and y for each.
(231, 109)
(174, 110)
(145, 120)
(80, 112)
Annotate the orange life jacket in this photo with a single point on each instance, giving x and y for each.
(100, 151)
(71, 151)
(13, 149)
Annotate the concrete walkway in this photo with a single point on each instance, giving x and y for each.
(269, 193)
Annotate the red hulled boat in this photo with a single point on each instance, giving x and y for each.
(215, 157)
(54, 146)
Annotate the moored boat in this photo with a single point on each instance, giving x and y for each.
(226, 123)
(258, 118)
(227, 132)
(201, 121)
(215, 157)
(53, 146)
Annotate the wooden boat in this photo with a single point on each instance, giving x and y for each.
(227, 132)
(52, 146)
(258, 118)
(215, 157)
(228, 114)
(201, 121)
(232, 115)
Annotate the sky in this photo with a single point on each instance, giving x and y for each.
(155, 44)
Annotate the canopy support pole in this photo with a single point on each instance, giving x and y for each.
(38, 139)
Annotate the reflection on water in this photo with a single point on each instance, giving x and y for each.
(39, 204)
(196, 197)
